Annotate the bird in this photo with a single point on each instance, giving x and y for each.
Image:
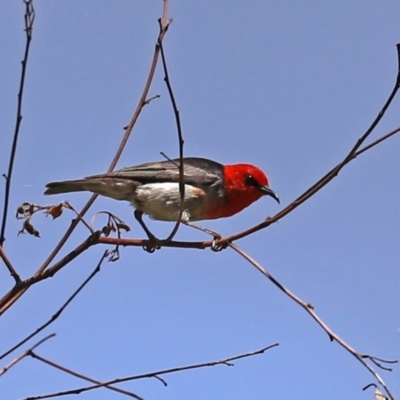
(211, 190)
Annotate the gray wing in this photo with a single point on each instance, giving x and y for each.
(196, 171)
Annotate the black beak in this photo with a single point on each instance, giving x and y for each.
(269, 192)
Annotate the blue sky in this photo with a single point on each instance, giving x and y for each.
(288, 86)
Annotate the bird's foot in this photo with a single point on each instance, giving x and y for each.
(216, 246)
(152, 244)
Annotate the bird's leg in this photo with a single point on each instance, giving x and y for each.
(215, 246)
(152, 245)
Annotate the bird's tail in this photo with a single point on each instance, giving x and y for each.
(65, 187)
(118, 189)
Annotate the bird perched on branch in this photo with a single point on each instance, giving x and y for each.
(211, 190)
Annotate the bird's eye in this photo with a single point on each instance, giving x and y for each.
(250, 180)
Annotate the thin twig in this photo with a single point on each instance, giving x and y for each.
(310, 310)
(24, 354)
(79, 216)
(377, 141)
(226, 362)
(181, 143)
(148, 101)
(29, 19)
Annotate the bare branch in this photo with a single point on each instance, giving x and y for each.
(155, 374)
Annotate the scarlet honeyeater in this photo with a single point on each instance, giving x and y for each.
(212, 190)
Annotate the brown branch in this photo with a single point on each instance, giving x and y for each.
(162, 243)
(61, 309)
(29, 19)
(310, 310)
(155, 374)
(128, 131)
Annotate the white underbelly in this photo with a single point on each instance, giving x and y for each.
(162, 201)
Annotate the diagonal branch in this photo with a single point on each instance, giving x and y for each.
(310, 310)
